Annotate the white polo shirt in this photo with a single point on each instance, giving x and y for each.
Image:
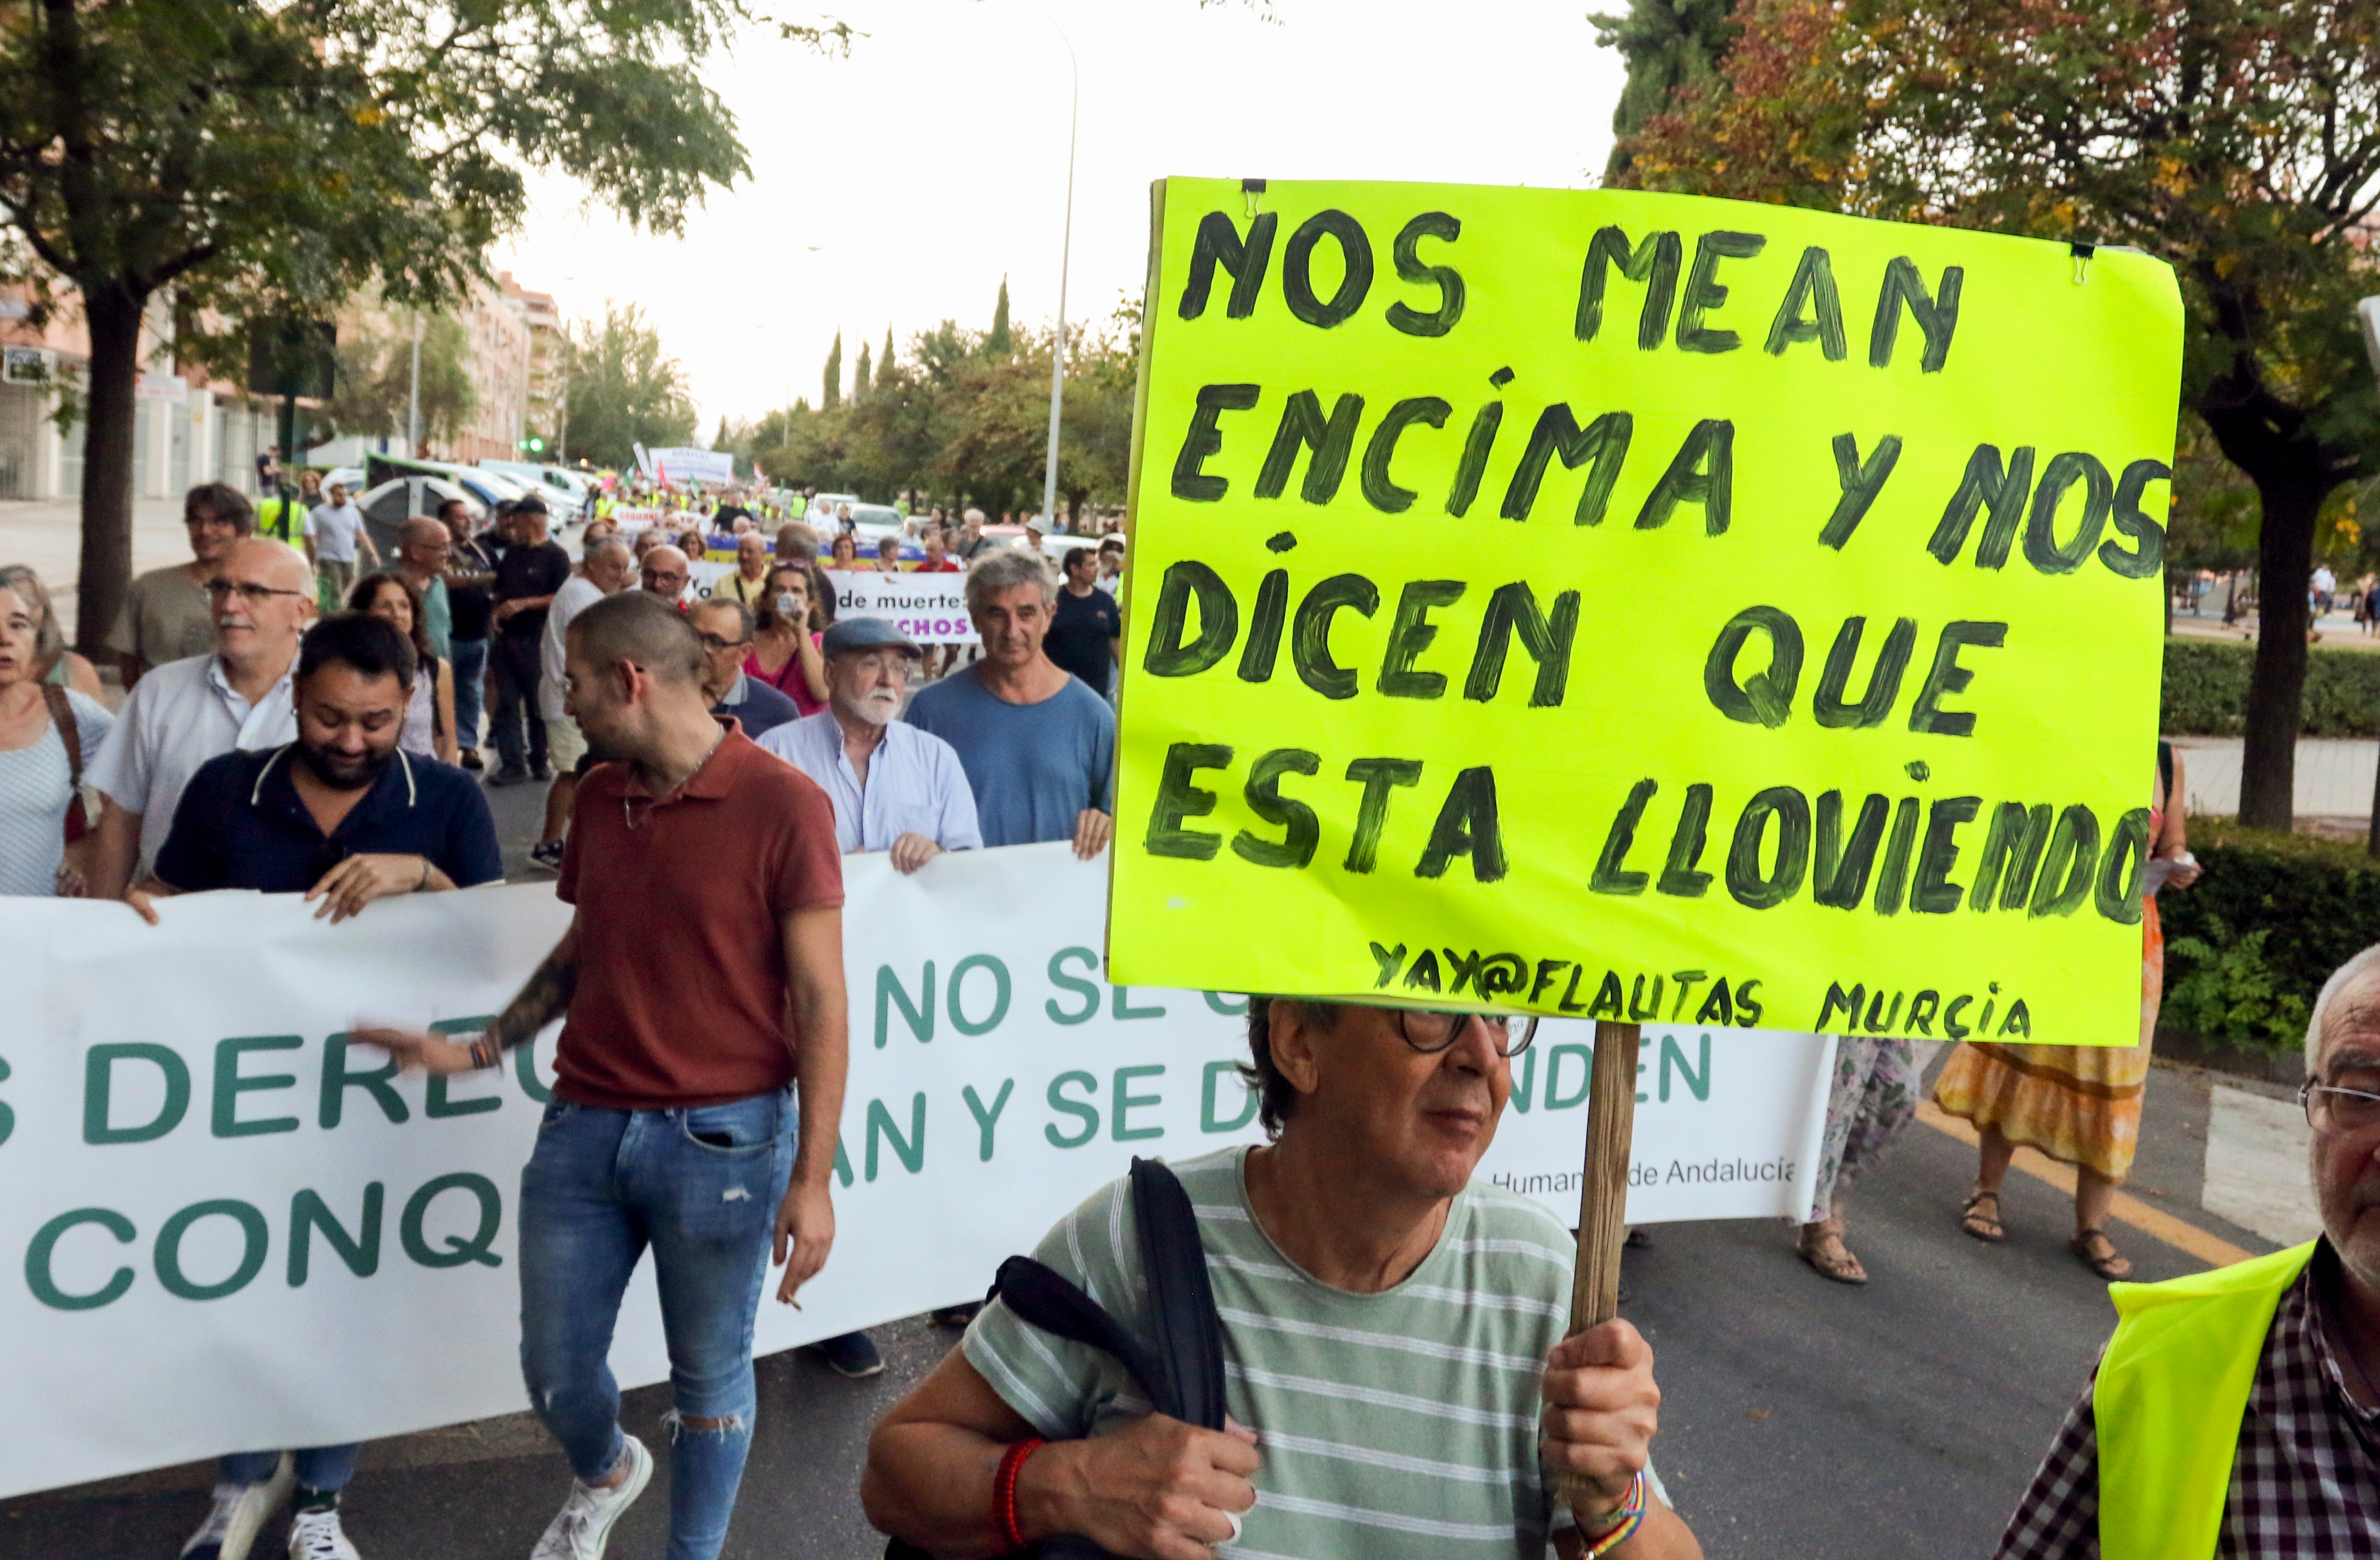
(175, 719)
(577, 593)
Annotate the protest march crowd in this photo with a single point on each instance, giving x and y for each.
(1397, 1376)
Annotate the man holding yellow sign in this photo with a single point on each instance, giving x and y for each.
(1638, 608)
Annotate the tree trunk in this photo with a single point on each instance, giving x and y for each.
(2276, 689)
(107, 465)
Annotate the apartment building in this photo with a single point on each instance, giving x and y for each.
(187, 428)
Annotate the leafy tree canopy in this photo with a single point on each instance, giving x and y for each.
(2240, 141)
(624, 389)
(264, 159)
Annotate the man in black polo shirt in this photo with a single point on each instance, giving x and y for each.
(339, 815)
(1084, 626)
(343, 816)
(531, 570)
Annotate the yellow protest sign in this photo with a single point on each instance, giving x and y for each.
(1642, 607)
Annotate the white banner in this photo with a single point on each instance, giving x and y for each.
(930, 608)
(221, 1229)
(683, 464)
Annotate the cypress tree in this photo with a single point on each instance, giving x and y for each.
(860, 375)
(833, 396)
(997, 345)
(1667, 43)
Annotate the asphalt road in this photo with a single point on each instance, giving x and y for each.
(1800, 1418)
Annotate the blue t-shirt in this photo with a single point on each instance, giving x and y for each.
(240, 825)
(1032, 767)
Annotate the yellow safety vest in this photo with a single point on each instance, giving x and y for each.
(282, 519)
(2170, 1393)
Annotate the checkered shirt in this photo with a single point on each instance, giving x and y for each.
(2305, 1481)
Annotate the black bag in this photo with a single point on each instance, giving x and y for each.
(1181, 1369)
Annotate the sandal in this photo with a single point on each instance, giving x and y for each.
(1975, 1222)
(1826, 1255)
(2110, 1267)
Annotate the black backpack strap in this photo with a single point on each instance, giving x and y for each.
(2165, 772)
(1189, 1334)
(1047, 1299)
(1183, 1375)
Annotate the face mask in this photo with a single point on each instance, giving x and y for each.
(788, 604)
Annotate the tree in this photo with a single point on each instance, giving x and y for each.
(998, 344)
(374, 385)
(884, 360)
(953, 418)
(2240, 141)
(263, 159)
(833, 396)
(1668, 44)
(860, 375)
(625, 390)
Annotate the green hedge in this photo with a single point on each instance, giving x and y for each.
(2206, 689)
(2249, 945)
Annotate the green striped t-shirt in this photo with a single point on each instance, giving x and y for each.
(1390, 1425)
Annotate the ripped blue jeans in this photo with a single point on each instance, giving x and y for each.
(700, 1186)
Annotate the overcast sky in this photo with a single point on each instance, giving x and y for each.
(897, 186)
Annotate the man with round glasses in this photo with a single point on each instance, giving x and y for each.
(2238, 1411)
(1392, 1324)
(260, 597)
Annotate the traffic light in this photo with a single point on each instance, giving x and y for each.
(536, 444)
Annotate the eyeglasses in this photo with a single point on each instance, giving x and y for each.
(1430, 1030)
(2343, 1112)
(254, 595)
(714, 644)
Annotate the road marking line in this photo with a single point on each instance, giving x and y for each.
(2188, 1238)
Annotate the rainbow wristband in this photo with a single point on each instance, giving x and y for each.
(1630, 1515)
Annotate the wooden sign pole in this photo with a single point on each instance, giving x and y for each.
(1603, 1193)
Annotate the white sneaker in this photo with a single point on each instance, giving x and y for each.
(237, 1516)
(316, 1535)
(583, 1525)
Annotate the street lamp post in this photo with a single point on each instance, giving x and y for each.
(1065, 257)
(413, 396)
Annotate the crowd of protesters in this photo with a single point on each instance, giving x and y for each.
(711, 754)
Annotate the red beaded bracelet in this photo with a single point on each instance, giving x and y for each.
(1004, 1491)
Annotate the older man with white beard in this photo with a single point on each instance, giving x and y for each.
(894, 788)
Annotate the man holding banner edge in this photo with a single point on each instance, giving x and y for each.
(1270, 670)
(1392, 1331)
(704, 1004)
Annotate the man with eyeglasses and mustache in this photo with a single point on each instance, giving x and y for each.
(1391, 1323)
(187, 712)
(2237, 1412)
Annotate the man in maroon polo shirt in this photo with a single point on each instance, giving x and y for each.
(702, 978)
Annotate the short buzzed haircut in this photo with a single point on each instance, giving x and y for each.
(639, 627)
(223, 501)
(1004, 571)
